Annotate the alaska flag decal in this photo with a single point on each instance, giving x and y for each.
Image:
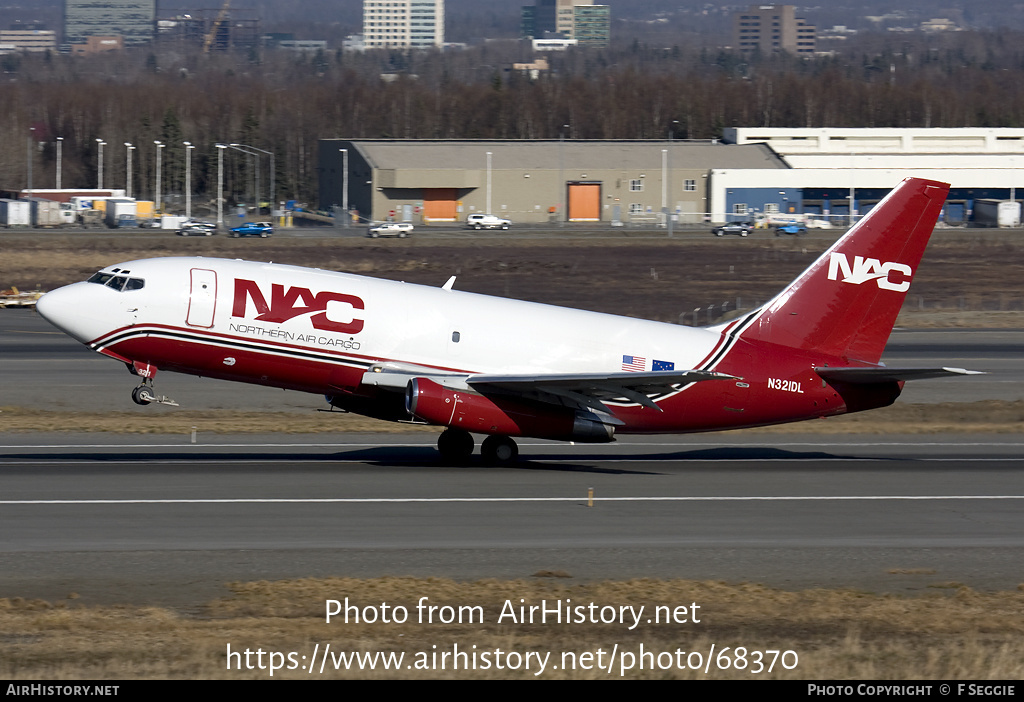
(657, 365)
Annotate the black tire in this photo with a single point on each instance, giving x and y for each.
(499, 450)
(455, 445)
(143, 395)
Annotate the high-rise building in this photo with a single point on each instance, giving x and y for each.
(582, 20)
(415, 24)
(134, 20)
(769, 28)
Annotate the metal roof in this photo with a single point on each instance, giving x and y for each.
(570, 154)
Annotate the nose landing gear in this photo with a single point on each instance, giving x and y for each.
(144, 393)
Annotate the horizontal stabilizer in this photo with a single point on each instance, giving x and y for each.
(881, 374)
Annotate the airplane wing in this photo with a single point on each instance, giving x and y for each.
(591, 390)
(581, 390)
(882, 374)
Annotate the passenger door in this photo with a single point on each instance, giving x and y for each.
(202, 300)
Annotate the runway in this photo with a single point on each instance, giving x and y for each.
(44, 368)
(161, 521)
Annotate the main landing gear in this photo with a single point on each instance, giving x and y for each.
(456, 446)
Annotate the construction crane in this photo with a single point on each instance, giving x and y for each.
(212, 34)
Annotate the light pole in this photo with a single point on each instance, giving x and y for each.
(561, 174)
(220, 185)
(188, 178)
(671, 208)
(273, 175)
(664, 184)
(60, 153)
(256, 172)
(128, 169)
(344, 186)
(489, 154)
(28, 158)
(159, 150)
(99, 164)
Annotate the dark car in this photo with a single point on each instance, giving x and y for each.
(197, 228)
(263, 229)
(794, 229)
(740, 228)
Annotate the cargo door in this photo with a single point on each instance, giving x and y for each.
(202, 299)
(584, 202)
(439, 204)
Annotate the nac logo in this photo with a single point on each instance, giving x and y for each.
(888, 276)
(295, 301)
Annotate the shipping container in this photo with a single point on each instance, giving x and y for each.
(172, 221)
(121, 213)
(997, 213)
(15, 213)
(46, 213)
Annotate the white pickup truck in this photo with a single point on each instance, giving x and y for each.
(486, 221)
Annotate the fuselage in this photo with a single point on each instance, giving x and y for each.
(320, 331)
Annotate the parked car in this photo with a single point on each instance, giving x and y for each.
(263, 229)
(486, 221)
(796, 229)
(741, 228)
(399, 229)
(197, 227)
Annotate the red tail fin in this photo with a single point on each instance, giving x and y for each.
(846, 303)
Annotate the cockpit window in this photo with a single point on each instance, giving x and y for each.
(117, 282)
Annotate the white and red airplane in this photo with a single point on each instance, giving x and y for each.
(506, 368)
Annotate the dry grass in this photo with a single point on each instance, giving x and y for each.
(985, 417)
(945, 634)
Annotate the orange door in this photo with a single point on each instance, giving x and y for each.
(439, 204)
(585, 202)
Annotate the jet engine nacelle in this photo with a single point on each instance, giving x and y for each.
(434, 403)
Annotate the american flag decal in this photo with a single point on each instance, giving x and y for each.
(634, 363)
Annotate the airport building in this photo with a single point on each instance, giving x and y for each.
(529, 181)
(822, 175)
(134, 20)
(835, 170)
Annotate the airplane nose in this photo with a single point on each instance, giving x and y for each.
(68, 309)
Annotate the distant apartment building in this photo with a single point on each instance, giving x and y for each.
(98, 45)
(135, 20)
(769, 28)
(27, 40)
(581, 20)
(412, 24)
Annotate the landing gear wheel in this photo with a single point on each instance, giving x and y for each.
(143, 395)
(455, 445)
(499, 450)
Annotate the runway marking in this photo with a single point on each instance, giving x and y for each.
(615, 445)
(428, 500)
